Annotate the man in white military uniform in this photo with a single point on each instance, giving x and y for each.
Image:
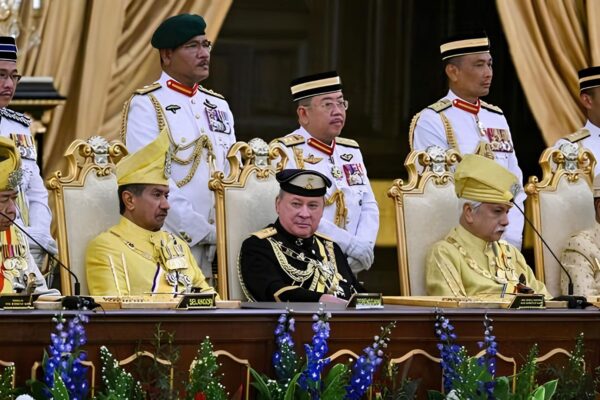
(351, 216)
(463, 122)
(200, 127)
(33, 211)
(589, 95)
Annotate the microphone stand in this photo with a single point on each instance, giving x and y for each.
(76, 285)
(572, 301)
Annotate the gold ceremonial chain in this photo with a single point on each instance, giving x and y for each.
(132, 247)
(200, 143)
(327, 269)
(501, 273)
(203, 142)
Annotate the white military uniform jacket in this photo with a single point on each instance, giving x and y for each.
(589, 140)
(36, 215)
(343, 164)
(200, 123)
(465, 137)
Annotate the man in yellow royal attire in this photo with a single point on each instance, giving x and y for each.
(18, 270)
(136, 256)
(472, 260)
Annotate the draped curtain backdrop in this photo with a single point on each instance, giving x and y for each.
(99, 52)
(550, 40)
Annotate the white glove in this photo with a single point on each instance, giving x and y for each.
(362, 251)
(211, 237)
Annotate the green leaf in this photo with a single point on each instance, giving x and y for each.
(435, 395)
(260, 385)
(549, 389)
(502, 389)
(59, 390)
(335, 383)
(291, 390)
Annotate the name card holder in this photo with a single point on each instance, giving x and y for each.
(528, 302)
(365, 301)
(197, 301)
(17, 301)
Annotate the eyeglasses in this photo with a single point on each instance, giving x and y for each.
(13, 77)
(329, 105)
(195, 45)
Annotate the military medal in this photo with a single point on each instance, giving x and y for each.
(336, 172)
(218, 120)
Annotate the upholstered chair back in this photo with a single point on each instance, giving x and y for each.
(561, 205)
(85, 202)
(426, 210)
(244, 203)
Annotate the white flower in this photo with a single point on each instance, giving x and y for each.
(24, 397)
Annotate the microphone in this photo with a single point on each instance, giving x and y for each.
(77, 286)
(572, 301)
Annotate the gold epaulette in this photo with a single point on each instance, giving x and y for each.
(291, 140)
(346, 142)
(440, 105)
(491, 107)
(578, 136)
(148, 88)
(265, 233)
(211, 92)
(323, 236)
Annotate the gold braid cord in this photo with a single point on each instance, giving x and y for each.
(411, 131)
(203, 142)
(341, 212)
(450, 137)
(124, 115)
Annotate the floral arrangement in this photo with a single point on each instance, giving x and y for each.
(305, 380)
(204, 383)
(118, 384)
(65, 377)
(473, 378)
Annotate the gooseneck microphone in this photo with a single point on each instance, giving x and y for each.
(573, 301)
(76, 285)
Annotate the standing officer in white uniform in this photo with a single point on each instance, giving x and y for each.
(199, 124)
(463, 122)
(351, 216)
(589, 95)
(33, 211)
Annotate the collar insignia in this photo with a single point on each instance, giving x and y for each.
(208, 104)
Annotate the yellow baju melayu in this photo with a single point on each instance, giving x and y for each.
(130, 260)
(463, 265)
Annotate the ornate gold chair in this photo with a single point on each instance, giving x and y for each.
(149, 355)
(244, 203)
(561, 203)
(85, 201)
(426, 209)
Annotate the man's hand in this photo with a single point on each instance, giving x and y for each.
(362, 251)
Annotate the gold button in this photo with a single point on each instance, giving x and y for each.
(211, 221)
(197, 116)
(183, 140)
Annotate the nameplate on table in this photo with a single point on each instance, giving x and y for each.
(365, 301)
(16, 301)
(528, 302)
(197, 301)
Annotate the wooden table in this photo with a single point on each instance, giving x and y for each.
(248, 334)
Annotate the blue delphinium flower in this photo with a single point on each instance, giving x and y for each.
(310, 379)
(451, 353)
(285, 360)
(64, 355)
(489, 358)
(367, 363)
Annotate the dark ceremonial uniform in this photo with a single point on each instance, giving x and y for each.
(277, 266)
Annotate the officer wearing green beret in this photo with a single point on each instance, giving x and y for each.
(199, 124)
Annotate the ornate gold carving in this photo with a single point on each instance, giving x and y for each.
(244, 160)
(570, 161)
(82, 159)
(433, 164)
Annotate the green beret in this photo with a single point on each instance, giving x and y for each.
(176, 30)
